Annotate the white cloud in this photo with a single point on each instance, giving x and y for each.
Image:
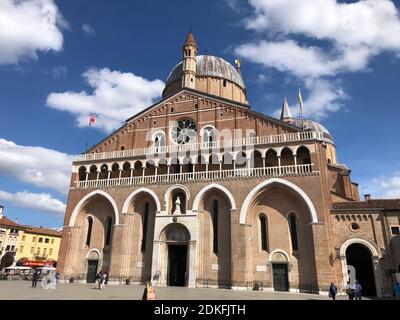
(301, 61)
(27, 27)
(39, 166)
(324, 97)
(352, 34)
(367, 23)
(88, 29)
(37, 201)
(116, 96)
(387, 187)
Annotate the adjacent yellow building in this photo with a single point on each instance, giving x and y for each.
(38, 245)
(32, 246)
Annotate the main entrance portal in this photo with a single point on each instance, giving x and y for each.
(360, 258)
(177, 266)
(280, 276)
(175, 243)
(92, 271)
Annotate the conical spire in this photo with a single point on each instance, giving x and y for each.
(286, 114)
(190, 39)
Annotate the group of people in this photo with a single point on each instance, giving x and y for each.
(354, 292)
(148, 294)
(49, 280)
(102, 279)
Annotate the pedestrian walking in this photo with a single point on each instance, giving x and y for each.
(35, 278)
(350, 291)
(103, 280)
(57, 277)
(397, 290)
(99, 278)
(358, 291)
(148, 293)
(332, 291)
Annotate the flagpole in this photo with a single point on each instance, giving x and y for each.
(87, 137)
(91, 122)
(301, 107)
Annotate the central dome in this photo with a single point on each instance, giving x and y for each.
(209, 66)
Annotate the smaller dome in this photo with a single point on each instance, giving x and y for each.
(310, 125)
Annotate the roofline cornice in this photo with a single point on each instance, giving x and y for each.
(217, 99)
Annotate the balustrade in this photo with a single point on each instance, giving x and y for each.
(222, 144)
(280, 171)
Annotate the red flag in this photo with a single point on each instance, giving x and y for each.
(92, 119)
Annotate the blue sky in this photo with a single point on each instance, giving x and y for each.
(346, 54)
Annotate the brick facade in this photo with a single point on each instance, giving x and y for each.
(323, 203)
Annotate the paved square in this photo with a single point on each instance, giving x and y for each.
(21, 290)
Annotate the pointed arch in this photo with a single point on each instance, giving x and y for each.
(203, 191)
(135, 193)
(86, 198)
(290, 185)
(374, 251)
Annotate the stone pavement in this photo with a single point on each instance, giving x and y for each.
(21, 290)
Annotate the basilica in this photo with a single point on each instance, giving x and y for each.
(199, 190)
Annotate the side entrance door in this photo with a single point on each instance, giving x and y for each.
(92, 271)
(280, 274)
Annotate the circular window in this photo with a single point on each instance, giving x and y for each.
(184, 131)
(354, 226)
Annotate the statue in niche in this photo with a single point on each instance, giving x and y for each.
(177, 206)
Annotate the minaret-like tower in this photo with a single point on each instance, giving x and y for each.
(189, 62)
(286, 114)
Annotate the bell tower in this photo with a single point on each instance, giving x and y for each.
(189, 62)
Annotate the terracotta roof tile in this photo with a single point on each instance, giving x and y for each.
(44, 231)
(190, 39)
(9, 223)
(387, 204)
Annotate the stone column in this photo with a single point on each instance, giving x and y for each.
(378, 276)
(192, 264)
(264, 165)
(116, 253)
(239, 239)
(126, 244)
(157, 263)
(71, 258)
(324, 270)
(86, 178)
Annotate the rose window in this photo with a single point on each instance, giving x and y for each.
(184, 132)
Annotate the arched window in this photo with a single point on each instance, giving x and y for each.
(293, 231)
(108, 232)
(159, 141)
(103, 172)
(215, 226)
(251, 137)
(264, 232)
(89, 230)
(209, 135)
(303, 156)
(144, 226)
(82, 173)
